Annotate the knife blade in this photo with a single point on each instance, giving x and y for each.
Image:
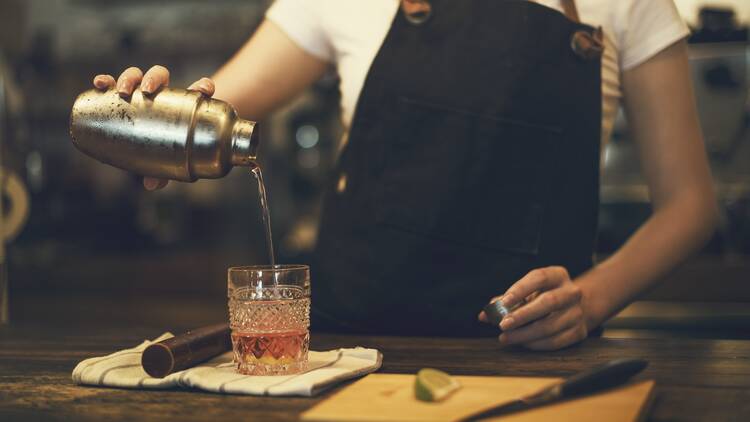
(596, 379)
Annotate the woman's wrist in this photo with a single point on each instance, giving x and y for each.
(593, 302)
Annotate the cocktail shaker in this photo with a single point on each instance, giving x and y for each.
(173, 134)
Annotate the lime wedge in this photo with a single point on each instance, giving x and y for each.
(434, 385)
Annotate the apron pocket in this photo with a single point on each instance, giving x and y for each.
(465, 177)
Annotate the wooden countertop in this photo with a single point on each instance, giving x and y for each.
(697, 379)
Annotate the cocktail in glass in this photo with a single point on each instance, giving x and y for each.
(269, 314)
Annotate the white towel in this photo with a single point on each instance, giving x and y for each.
(123, 369)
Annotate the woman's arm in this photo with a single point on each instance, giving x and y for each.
(266, 72)
(662, 115)
(660, 107)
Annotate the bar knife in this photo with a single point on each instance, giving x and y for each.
(602, 377)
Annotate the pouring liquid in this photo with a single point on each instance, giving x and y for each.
(258, 175)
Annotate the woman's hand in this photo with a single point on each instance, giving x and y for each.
(554, 316)
(154, 79)
(269, 70)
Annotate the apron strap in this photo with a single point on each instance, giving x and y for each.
(417, 11)
(570, 10)
(586, 45)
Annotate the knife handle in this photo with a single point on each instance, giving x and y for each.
(601, 377)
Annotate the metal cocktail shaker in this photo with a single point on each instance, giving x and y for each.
(173, 134)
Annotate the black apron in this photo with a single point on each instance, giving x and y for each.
(473, 157)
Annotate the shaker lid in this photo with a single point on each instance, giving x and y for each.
(245, 140)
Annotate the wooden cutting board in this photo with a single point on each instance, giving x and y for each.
(390, 397)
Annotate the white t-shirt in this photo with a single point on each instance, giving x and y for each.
(349, 34)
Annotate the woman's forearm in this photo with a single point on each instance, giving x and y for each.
(267, 71)
(674, 231)
(663, 120)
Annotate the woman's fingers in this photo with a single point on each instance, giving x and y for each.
(104, 82)
(557, 341)
(203, 85)
(539, 279)
(550, 325)
(152, 183)
(155, 78)
(130, 78)
(547, 303)
(128, 81)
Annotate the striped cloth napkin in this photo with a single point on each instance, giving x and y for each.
(123, 369)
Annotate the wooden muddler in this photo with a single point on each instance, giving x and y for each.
(186, 350)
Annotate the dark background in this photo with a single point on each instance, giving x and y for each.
(96, 246)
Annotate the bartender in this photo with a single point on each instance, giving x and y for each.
(470, 171)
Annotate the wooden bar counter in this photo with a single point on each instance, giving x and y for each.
(696, 379)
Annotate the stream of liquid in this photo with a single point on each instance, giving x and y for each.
(258, 175)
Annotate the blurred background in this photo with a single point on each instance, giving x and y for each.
(85, 244)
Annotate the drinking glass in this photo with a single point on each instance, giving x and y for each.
(269, 314)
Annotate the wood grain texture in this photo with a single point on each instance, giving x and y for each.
(390, 397)
(696, 379)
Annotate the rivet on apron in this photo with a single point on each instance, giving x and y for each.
(587, 46)
(416, 12)
(341, 184)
